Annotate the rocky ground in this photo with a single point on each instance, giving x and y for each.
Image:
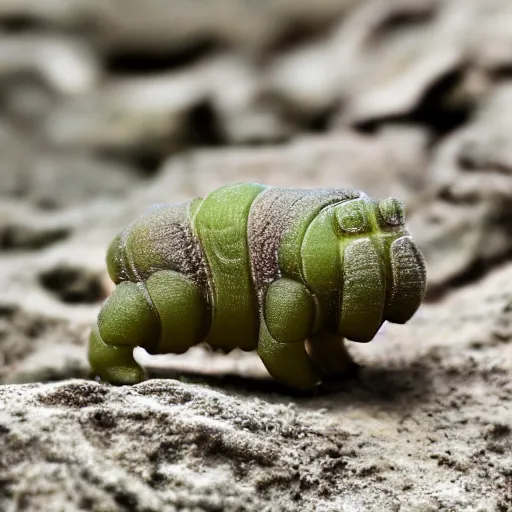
(102, 115)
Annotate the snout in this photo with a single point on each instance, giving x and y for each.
(409, 278)
(380, 282)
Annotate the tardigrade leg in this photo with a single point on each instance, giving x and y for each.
(167, 314)
(181, 308)
(288, 318)
(126, 320)
(113, 363)
(329, 353)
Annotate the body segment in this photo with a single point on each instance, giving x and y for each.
(221, 225)
(289, 272)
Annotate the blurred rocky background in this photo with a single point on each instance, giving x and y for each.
(109, 106)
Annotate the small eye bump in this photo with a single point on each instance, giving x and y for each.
(352, 218)
(392, 211)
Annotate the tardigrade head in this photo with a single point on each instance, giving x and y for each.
(366, 217)
(383, 270)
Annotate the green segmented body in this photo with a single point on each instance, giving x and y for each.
(221, 225)
(263, 268)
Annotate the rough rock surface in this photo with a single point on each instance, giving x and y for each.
(102, 115)
(425, 425)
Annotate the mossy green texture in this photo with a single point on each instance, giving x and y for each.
(320, 255)
(289, 311)
(392, 211)
(221, 226)
(290, 257)
(113, 363)
(353, 218)
(334, 268)
(126, 317)
(288, 363)
(181, 308)
(116, 265)
(363, 292)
